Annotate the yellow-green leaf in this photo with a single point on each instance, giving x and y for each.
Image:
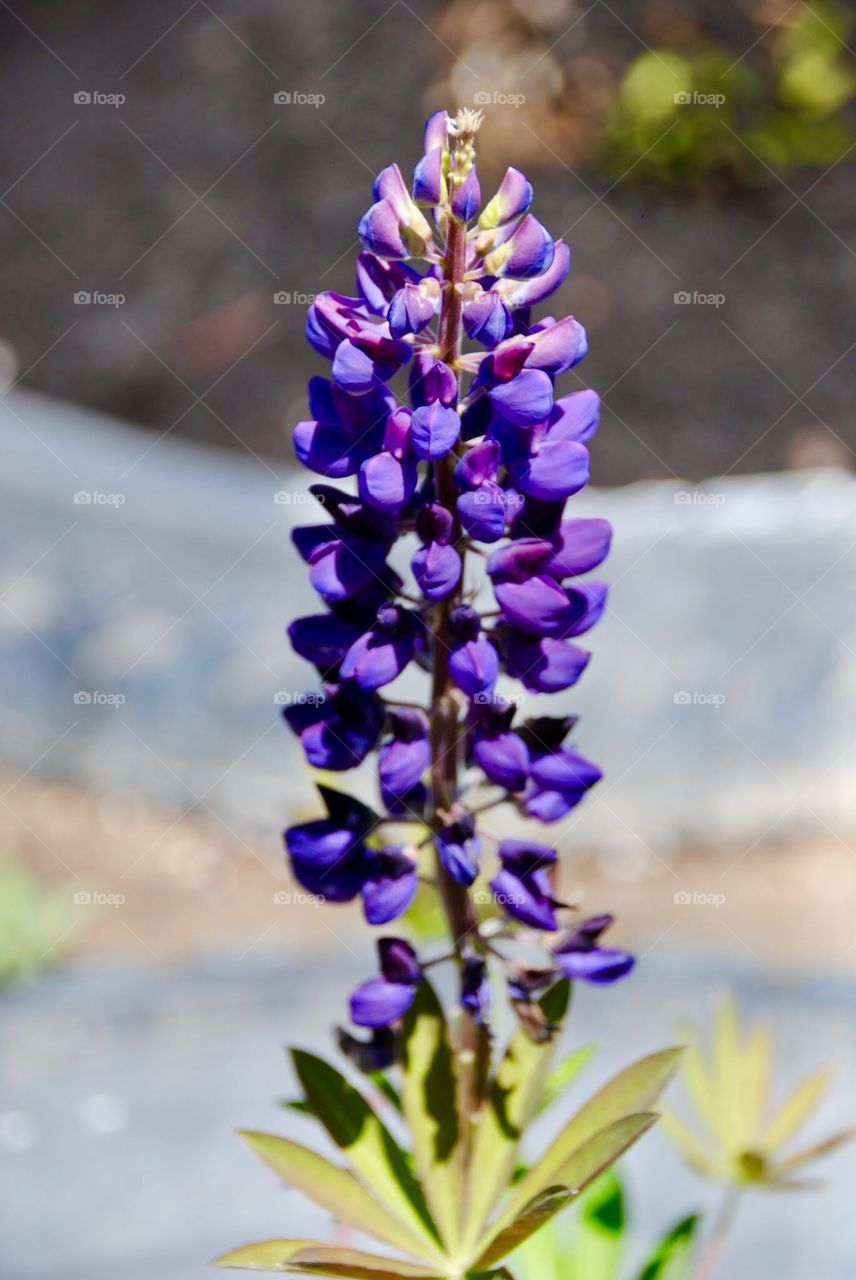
(634, 1089)
(366, 1143)
(512, 1101)
(592, 1157)
(336, 1190)
(599, 1229)
(794, 1112)
(813, 1152)
(689, 1146)
(429, 1098)
(563, 1075)
(311, 1257)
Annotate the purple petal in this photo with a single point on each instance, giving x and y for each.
(477, 465)
(580, 545)
(575, 417)
(402, 764)
(378, 1002)
(539, 606)
(487, 319)
(525, 293)
(558, 347)
(511, 200)
(429, 185)
(474, 667)
(434, 430)
(321, 638)
(353, 370)
(524, 900)
(526, 400)
(387, 484)
(466, 198)
(559, 469)
(527, 252)
(380, 233)
(504, 760)
(586, 603)
(377, 659)
(482, 512)
(544, 665)
(602, 965)
(437, 570)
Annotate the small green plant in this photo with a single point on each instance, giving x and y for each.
(33, 921)
(456, 1203)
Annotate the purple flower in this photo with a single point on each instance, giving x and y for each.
(559, 776)
(338, 730)
(387, 998)
(579, 955)
(473, 661)
(500, 753)
(522, 885)
(328, 855)
(475, 987)
(390, 884)
(405, 756)
(437, 565)
(458, 848)
(379, 656)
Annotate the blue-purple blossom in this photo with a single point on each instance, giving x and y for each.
(444, 421)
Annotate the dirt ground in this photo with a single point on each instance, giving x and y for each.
(164, 887)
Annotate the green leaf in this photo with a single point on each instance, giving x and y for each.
(563, 1075)
(429, 1098)
(311, 1257)
(336, 1190)
(597, 1243)
(577, 1172)
(511, 1104)
(796, 1109)
(634, 1089)
(672, 1256)
(365, 1141)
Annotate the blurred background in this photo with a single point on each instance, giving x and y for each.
(177, 181)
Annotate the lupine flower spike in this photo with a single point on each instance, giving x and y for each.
(446, 447)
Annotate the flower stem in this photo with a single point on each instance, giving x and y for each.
(712, 1251)
(445, 729)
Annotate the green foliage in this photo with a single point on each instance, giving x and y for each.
(451, 1204)
(702, 117)
(737, 1133)
(593, 1245)
(33, 921)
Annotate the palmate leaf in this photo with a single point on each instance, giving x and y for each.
(366, 1143)
(562, 1076)
(578, 1170)
(797, 1108)
(337, 1190)
(512, 1101)
(634, 1089)
(672, 1257)
(311, 1257)
(429, 1099)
